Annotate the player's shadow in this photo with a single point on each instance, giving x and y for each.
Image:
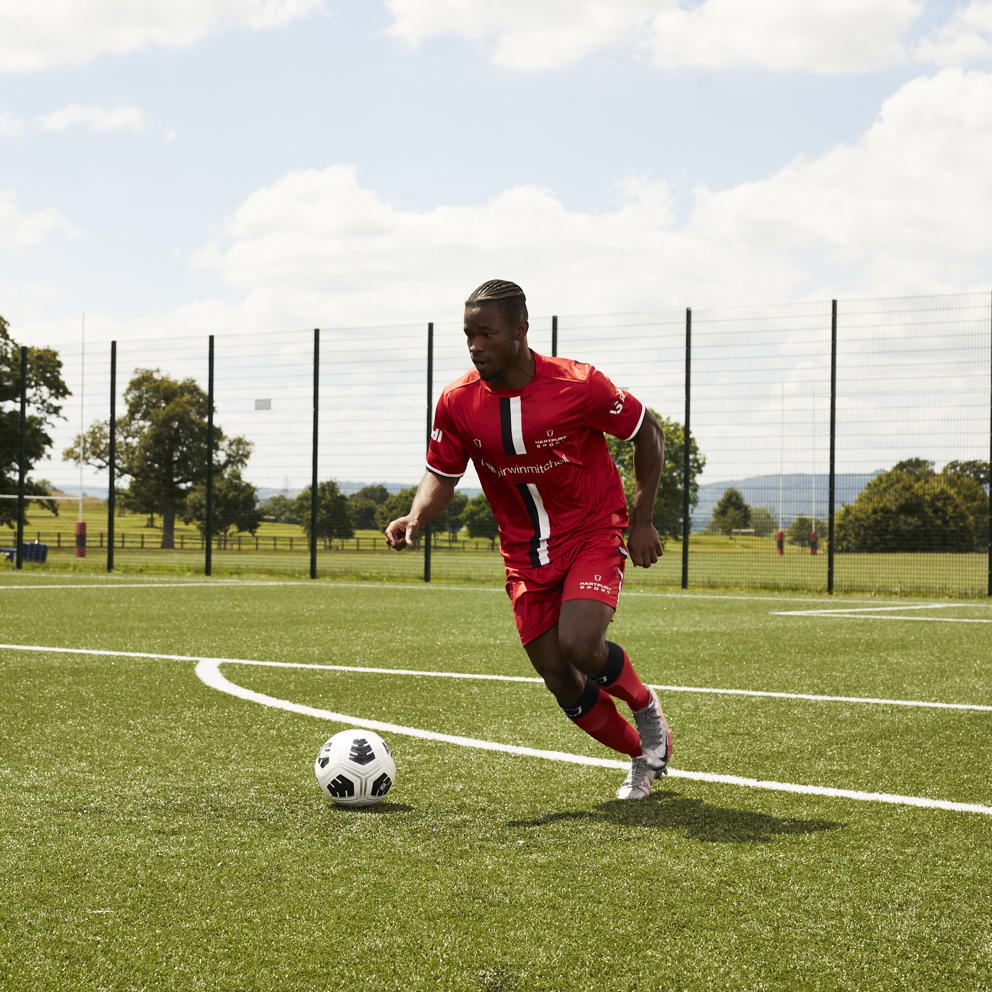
(669, 810)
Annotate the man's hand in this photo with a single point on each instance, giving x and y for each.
(401, 532)
(644, 545)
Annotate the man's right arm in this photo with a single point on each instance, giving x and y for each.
(433, 495)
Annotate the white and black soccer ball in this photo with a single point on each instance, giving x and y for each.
(355, 768)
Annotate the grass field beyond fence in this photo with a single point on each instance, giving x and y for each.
(715, 562)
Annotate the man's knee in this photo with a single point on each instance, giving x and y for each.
(583, 647)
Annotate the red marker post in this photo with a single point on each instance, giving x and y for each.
(81, 539)
(780, 542)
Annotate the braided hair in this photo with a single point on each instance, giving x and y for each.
(508, 296)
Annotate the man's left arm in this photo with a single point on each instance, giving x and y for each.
(643, 542)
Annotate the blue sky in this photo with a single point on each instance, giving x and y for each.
(269, 166)
(302, 162)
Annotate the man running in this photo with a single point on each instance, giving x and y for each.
(533, 427)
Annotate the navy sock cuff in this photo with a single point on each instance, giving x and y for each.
(585, 703)
(614, 665)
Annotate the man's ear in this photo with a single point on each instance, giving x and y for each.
(520, 330)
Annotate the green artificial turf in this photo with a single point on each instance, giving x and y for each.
(159, 834)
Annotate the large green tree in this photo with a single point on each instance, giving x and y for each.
(732, 513)
(364, 506)
(668, 502)
(161, 446)
(479, 519)
(235, 505)
(333, 517)
(451, 520)
(46, 392)
(912, 507)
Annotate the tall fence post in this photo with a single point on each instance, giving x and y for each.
(554, 336)
(686, 453)
(209, 523)
(313, 454)
(22, 458)
(990, 446)
(832, 493)
(112, 458)
(430, 423)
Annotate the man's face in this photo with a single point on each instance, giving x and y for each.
(493, 341)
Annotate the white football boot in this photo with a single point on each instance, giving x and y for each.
(656, 737)
(637, 784)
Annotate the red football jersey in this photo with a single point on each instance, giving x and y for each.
(540, 453)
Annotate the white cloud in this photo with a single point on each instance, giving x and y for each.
(902, 210)
(827, 36)
(822, 36)
(528, 34)
(95, 118)
(21, 228)
(965, 39)
(45, 33)
(10, 125)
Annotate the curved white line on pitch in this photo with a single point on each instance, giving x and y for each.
(208, 671)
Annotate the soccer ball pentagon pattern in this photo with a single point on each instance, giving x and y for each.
(355, 768)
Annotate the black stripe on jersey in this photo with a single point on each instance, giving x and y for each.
(506, 426)
(535, 541)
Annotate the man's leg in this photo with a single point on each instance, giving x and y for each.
(582, 628)
(579, 697)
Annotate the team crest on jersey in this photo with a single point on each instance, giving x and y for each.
(553, 440)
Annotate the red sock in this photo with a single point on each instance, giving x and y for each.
(619, 679)
(603, 723)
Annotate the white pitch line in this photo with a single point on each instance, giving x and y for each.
(480, 676)
(104, 587)
(208, 671)
(883, 613)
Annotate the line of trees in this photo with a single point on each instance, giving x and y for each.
(913, 507)
(372, 507)
(161, 466)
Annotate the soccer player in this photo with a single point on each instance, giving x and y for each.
(533, 426)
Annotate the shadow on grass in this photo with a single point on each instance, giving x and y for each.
(376, 809)
(669, 810)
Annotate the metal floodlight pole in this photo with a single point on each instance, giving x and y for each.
(209, 523)
(22, 458)
(313, 466)
(990, 449)
(112, 458)
(831, 493)
(430, 424)
(686, 452)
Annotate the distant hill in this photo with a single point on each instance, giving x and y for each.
(798, 492)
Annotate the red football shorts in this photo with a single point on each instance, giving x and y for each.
(593, 569)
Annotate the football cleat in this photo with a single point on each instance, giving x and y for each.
(656, 737)
(637, 784)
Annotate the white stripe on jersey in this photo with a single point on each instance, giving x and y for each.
(517, 426)
(543, 525)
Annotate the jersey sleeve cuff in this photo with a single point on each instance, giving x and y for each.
(640, 420)
(443, 475)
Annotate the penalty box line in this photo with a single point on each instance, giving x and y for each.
(208, 671)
